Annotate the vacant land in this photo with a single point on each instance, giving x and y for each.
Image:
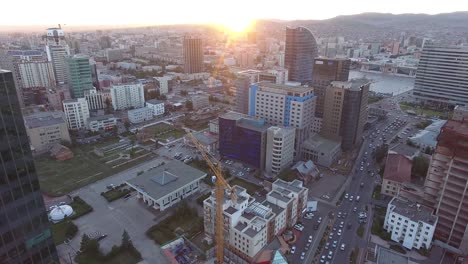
(419, 110)
(60, 177)
(163, 131)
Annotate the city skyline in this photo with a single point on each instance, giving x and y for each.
(235, 17)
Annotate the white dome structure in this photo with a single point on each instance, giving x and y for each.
(58, 213)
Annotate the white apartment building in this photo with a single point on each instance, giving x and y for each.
(278, 76)
(105, 122)
(157, 106)
(317, 125)
(279, 149)
(97, 99)
(250, 225)
(410, 223)
(139, 115)
(164, 84)
(125, 96)
(76, 113)
(284, 105)
(37, 74)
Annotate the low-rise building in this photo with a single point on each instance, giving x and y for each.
(105, 122)
(410, 223)
(460, 113)
(321, 150)
(166, 185)
(397, 173)
(376, 111)
(139, 115)
(200, 101)
(157, 106)
(76, 112)
(98, 99)
(214, 126)
(46, 129)
(208, 142)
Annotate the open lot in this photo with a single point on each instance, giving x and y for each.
(327, 186)
(425, 111)
(250, 187)
(163, 131)
(60, 177)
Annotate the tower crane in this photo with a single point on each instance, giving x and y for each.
(221, 187)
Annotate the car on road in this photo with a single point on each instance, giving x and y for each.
(310, 239)
(303, 255)
(330, 254)
(335, 243)
(358, 198)
(293, 249)
(339, 232)
(351, 198)
(341, 224)
(331, 235)
(319, 220)
(362, 184)
(342, 247)
(323, 258)
(346, 196)
(355, 209)
(299, 227)
(327, 245)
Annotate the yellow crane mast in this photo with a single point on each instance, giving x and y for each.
(221, 186)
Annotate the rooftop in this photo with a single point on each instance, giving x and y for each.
(44, 119)
(387, 256)
(414, 211)
(294, 186)
(275, 208)
(456, 127)
(258, 125)
(353, 84)
(205, 138)
(321, 144)
(99, 118)
(279, 196)
(155, 101)
(233, 115)
(166, 179)
(397, 168)
(284, 87)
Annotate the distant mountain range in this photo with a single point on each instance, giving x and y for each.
(376, 26)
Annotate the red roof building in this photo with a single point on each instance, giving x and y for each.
(397, 172)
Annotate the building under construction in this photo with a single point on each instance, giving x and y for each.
(446, 186)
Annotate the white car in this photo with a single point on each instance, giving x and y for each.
(342, 247)
(339, 232)
(351, 198)
(310, 239)
(302, 255)
(346, 196)
(293, 249)
(327, 245)
(323, 259)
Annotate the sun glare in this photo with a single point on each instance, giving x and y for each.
(237, 25)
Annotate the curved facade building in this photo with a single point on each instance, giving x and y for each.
(300, 52)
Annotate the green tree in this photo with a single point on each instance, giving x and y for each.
(420, 166)
(189, 105)
(89, 246)
(127, 125)
(126, 241)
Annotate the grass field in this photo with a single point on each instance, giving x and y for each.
(426, 111)
(60, 177)
(60, 230)
(163, 131)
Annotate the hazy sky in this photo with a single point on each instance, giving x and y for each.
(235, 13)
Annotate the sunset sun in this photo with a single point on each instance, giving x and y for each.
(238, 25)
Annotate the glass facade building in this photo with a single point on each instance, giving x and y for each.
(80, 76)
(25, 234)
(299, 55)
(243, 139)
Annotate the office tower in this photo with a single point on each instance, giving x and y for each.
(442, 75)
(193, 55)
(57, 51)
(79, 75)
(300, 52)
(24, 226)
(36, 74)
(279, 149)
(242, 86)
(327, 70)
(76, 112)
(125, 96)
(446, 184)
(94, 75)
(345, 112)
(284, 105)
(395, 48)
(242, 138)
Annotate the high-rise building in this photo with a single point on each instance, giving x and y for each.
(76, 112)
(327, 70)
(284, 105)
(127, 95)
(345, 112)
(300, 52)
(24, 224)
(36, 74)
(79, 75)
(57, 51)
(193, 55)
(243, 139)
(242, 86)
(446, 184)
(279, 149)
(442, 75)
